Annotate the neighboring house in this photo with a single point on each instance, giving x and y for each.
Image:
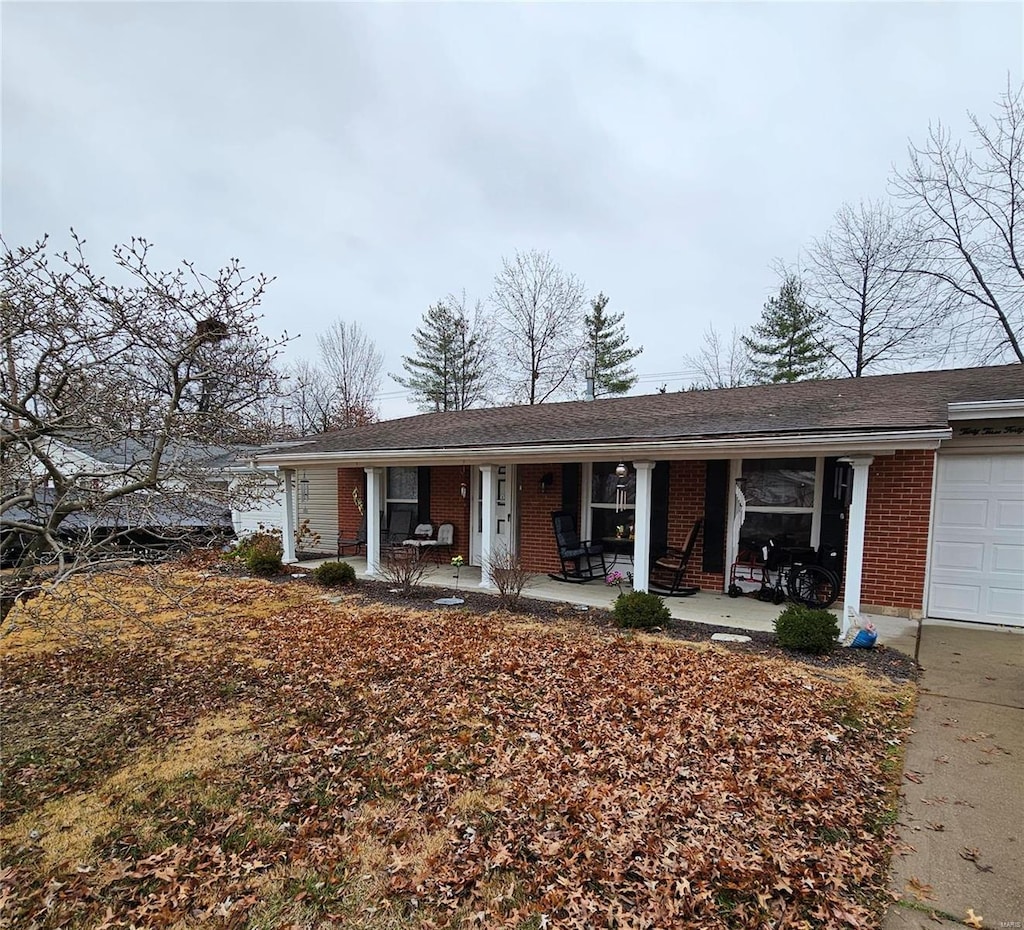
(192, 497)
(916, 481)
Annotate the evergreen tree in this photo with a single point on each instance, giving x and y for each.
(448, 370)
(608, 353)
(787, 344)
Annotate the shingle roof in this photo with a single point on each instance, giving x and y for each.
(915, 400)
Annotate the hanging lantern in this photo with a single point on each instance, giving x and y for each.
(621, 473)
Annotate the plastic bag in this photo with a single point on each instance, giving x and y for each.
(865, 639)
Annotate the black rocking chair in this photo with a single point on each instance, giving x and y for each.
(667, 571)
(576, 555)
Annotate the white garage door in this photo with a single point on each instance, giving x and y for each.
(977, 560)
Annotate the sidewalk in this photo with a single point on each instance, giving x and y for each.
(963, 810)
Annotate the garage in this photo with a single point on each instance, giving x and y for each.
(977, 557)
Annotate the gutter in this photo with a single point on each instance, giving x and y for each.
(986, 409)
(846, 443)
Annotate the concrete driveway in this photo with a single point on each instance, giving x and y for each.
(963, 814)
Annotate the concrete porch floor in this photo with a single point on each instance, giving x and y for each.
(741, 613)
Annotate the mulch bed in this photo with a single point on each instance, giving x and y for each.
(879, 661)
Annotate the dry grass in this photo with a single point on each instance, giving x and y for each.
(67, 828)
(276, 760)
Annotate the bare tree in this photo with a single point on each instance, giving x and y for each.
(353, 364)
(863, 281)
(969, 205)
(721, 361)
(540, 324)
(310, 403)
(115, 400)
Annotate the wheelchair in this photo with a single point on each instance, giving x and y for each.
(794, 573)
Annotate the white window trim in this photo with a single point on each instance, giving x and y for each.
(586, 489)
(388, 501)
(814, 510)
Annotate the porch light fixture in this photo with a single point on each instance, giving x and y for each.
(463, 489)
(546, 480)
(620, 487)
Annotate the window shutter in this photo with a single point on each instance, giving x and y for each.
(571, 489)
(659, 509)
(836, 482)
(423, 494)
(716, 512)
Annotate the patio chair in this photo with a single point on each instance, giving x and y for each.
(667, 571)
(399, 527)
(443, 542)
(576, 555)
(355, 543)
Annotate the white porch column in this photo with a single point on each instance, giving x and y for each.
(288, 529)
(855, 540)
(374, 505)
(642, 527)
(488, 522)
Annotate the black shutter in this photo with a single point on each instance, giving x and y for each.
(423, 494)
(833, 515)
(659, 510)
(716, 513)
(571, 489)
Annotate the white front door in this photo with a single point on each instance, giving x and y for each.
(504, 508)
(977, 558)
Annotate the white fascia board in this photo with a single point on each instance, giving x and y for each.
(986, 409)
(852, 443)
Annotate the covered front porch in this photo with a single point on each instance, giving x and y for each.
(714, 609)
(643, 506)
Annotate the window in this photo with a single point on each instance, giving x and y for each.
(402, 491)
(604, 519)
(781, 496)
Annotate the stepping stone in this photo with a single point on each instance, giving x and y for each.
(449, 601)
(729, 638)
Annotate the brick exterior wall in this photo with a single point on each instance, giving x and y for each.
(447, 505)
(537, 550)
(896, 531)
(349, 518)
(686, 504)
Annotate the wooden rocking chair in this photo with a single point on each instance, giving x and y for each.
(667, 571)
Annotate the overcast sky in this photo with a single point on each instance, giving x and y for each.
(376, 157)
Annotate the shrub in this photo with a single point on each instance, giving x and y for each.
(807, 629)
(639, 610)
(509, 577)
(264, 563)
(403, 567)
(261, 552)
(334, 574)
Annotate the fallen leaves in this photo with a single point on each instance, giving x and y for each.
(972, 919)
(465, 771)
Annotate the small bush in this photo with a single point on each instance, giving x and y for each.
(265, 563)
(807, 629)
(509, 577)
(639, 610)
(264, 542)
(403, 567)
(334, 574)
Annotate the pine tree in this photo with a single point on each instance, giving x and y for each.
(448, 370)
(608, 353)
(787, 344)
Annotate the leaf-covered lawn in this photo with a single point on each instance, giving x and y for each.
(281, 761)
